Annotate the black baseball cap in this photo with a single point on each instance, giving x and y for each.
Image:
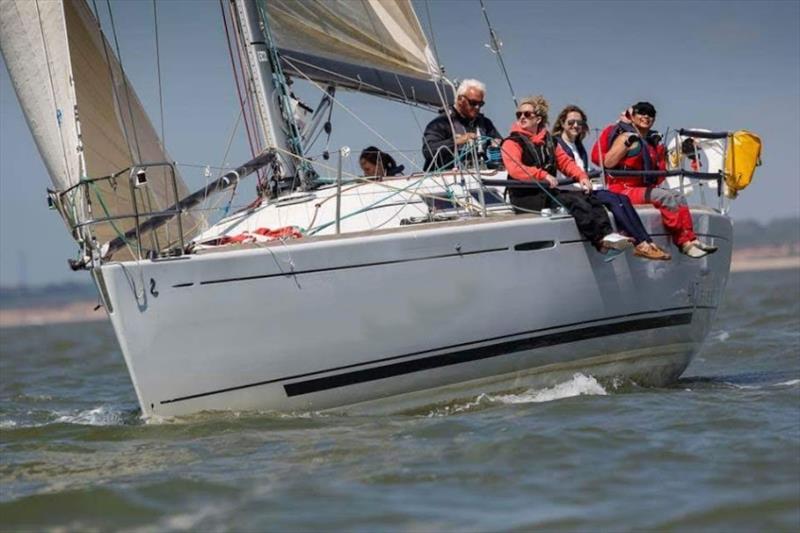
(644, 108)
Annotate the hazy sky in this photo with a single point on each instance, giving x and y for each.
(718, 65)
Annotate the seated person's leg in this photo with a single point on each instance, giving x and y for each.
(592, 221)
(527, 201)
(674, 214)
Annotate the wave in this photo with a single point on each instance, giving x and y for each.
(99, 416)
(579, 385)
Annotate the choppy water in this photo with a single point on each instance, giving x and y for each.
(718, 451)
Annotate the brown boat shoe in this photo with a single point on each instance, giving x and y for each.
(649, 250)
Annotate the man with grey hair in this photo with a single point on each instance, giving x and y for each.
(468, 124)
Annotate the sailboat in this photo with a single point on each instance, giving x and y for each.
(329, 291)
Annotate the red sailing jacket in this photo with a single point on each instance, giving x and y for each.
(512, 158)
(632, 161)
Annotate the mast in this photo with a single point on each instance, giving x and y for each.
(270, 91)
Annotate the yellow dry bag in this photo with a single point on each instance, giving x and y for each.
(741, 159)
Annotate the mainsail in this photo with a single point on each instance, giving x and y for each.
(372, 46)
(86, 119)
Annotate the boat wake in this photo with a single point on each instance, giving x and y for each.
(745, 381)
(104, 415)
(578, 385)
(99, 416)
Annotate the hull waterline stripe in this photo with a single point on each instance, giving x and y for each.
(470, 343)
(484, 352)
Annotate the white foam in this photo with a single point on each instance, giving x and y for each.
(789, 383)
(723, 336)
(579, 385)
(6, 424)
(99, 416)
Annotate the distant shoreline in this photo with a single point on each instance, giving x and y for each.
(81, 311)
(753, 264)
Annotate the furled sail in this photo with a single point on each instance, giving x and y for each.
(86, 119)
(372, 46)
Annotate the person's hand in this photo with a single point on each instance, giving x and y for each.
(463, 138)
(551, 182)
(628, 138)
(586, 185)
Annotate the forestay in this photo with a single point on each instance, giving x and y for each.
(372, 46)
(85, 116)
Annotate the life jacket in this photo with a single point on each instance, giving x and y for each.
(537, 155)
(639, 157)
(581, 151)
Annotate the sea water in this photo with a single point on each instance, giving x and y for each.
(718, 451)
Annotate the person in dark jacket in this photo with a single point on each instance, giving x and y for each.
(569, 130)
(468, 124)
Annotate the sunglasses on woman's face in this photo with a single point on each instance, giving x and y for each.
(645, 114)
(579, 123)
(526, 114)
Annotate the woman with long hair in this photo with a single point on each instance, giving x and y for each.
(569, 130)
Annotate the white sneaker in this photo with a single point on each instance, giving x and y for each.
(615, 241)
(692, 250)
(709, 248)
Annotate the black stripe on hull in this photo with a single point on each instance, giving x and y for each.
(533, 339)
(484, 352)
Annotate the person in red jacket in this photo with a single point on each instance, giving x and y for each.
(632, 144)
(530, 155)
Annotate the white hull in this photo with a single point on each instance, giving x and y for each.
(408, 316)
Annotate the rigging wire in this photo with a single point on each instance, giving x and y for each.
(236, 79)
(124, 81)
(53, 92)
(227, 152)
(440, 91)
(495, 47)
(111, 76)
(160, 103)
(353, 114)
(158, 68)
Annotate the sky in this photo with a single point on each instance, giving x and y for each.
(716, 65)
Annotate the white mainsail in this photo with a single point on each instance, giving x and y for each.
(372, 46)
(85, 117)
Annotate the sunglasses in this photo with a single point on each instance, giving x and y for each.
(475, 103)
(526, 114)
(576, 123)
(645, 114)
